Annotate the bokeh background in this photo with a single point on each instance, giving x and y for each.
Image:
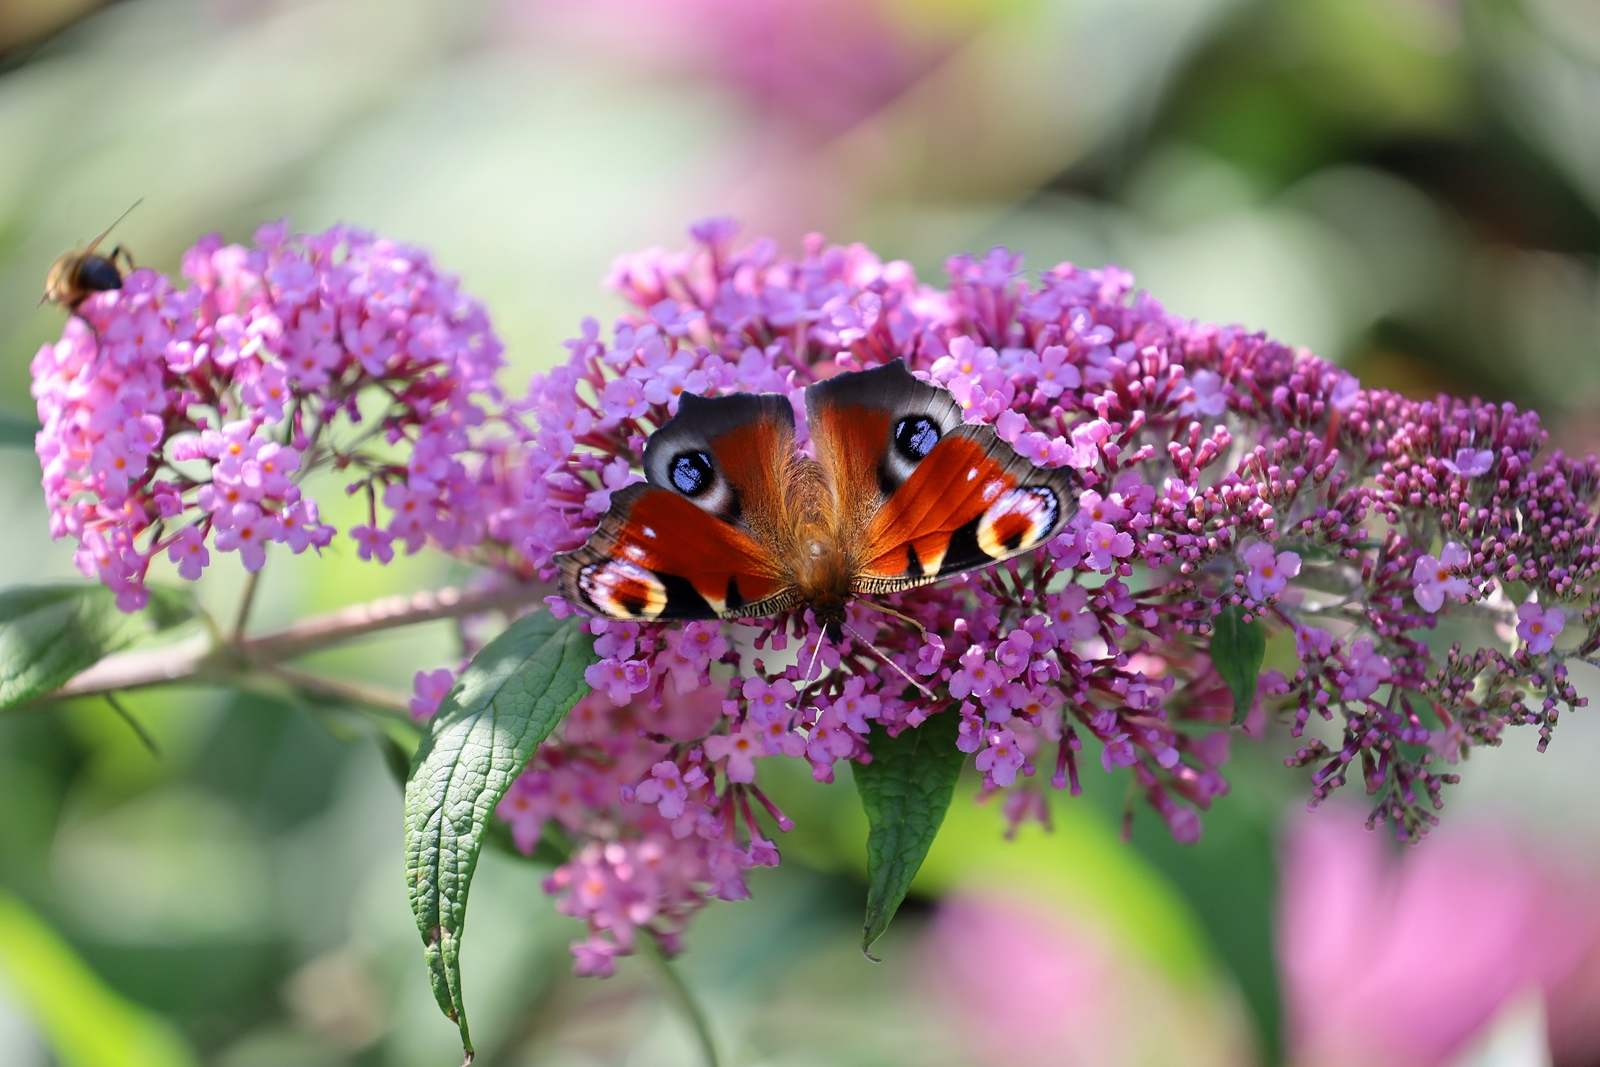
(1409, 187)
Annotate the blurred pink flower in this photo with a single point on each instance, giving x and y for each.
(820, 66)
(1024, 987)
(1019, 977)
(429, 690)
(1400, 960)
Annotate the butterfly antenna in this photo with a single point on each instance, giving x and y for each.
(876, 651)
(107, 231)
(807, 682)
(902, 616)
(816, 653)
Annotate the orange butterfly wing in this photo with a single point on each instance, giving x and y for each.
(656, 555)
(696, 541)
(922, 494)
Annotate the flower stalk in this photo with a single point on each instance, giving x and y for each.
(684, 999)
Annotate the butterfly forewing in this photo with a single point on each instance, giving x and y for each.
(971, 502)
(871, 429)
(695, 541)
(929, 495)
(729, 455)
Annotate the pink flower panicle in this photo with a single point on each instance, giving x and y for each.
(632, 785)
(1217, 467)
(182, 420)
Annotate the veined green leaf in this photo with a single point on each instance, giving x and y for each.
(48, 633)
(905, 792)
(506, 702)
(1237, 648)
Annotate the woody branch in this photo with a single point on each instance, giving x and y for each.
(202, 658)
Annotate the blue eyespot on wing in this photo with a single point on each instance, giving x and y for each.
(925, 494)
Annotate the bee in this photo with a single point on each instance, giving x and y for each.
(77, 275)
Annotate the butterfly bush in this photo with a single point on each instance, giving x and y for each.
(1221, 477)
(179, 421)
(1219, 471)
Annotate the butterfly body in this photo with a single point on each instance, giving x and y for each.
(732, 520)
(818, 565)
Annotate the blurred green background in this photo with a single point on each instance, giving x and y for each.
(1409, 187)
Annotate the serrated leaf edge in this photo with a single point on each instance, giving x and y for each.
(441, 944)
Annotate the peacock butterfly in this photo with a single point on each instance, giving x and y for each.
(733, 521)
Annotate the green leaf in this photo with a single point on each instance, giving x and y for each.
(48, 633)
(506, 702)
(905, 792)
(1237, 648)
(86, 1023)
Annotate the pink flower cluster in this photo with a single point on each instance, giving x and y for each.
(1219, 469)
(1448, 505)
(647, 769)
(182, 420)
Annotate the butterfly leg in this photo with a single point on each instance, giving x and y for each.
(921, 629)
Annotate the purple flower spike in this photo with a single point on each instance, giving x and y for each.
(182, 421)
(1217, 470)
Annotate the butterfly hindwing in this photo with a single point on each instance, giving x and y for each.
(971, 502)
(656, 555)
(928, 494)
(696, 540)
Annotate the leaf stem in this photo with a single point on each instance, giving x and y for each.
(246, 601)
(134, 724)
(650, 947)
(321, 631)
